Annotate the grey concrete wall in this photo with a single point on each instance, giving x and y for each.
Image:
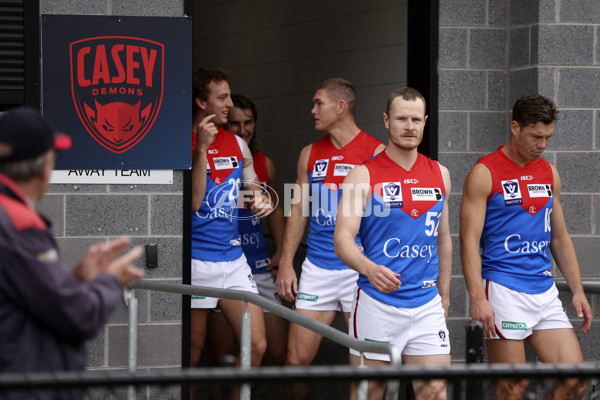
(85, 214)
(491, 53)
(473, 117)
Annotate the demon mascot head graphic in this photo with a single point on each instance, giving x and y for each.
(118, 122)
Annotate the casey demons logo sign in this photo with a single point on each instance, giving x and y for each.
(117, 84)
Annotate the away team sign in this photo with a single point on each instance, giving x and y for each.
(120, 86)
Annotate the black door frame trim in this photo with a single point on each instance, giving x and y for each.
(423, 45)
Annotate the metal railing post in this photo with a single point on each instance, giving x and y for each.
(246, 349)
(362, 388)
(132, 304)
(475, 349)
(393, 386)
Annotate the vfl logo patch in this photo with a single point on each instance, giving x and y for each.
(426, 194)
(117, 84)
(539, 190)
(514, 326)
(320, 170)
(392, 194)
(225, 162)
(512, 194)
(442, 335)
(342, 169)
(307, 297)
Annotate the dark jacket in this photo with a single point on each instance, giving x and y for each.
(46, 314)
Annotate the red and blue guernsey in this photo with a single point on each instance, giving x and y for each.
(250, 226)
(516, 234)
(399, 227)
(327, 167)
(215, 235)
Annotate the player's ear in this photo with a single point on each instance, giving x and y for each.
(386, 120)
(201, 104)
(515, 127)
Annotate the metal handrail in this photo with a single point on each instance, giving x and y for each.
(589, 287)
(329, 332)
(10, 381)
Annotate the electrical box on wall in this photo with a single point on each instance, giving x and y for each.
(151, 255)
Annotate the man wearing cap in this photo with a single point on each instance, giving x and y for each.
(47, 311)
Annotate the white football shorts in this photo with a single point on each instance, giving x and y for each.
(325, 289)
(518, 314)
(419, 331)
(234, 274)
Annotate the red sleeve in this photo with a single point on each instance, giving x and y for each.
(260, 167)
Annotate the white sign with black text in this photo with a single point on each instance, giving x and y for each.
(113, 176)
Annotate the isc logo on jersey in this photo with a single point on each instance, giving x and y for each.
(392, 194)
(512, 194)
(539, 190)
(225, 162)
(426, 194)
(320, 170)
(342, 169)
